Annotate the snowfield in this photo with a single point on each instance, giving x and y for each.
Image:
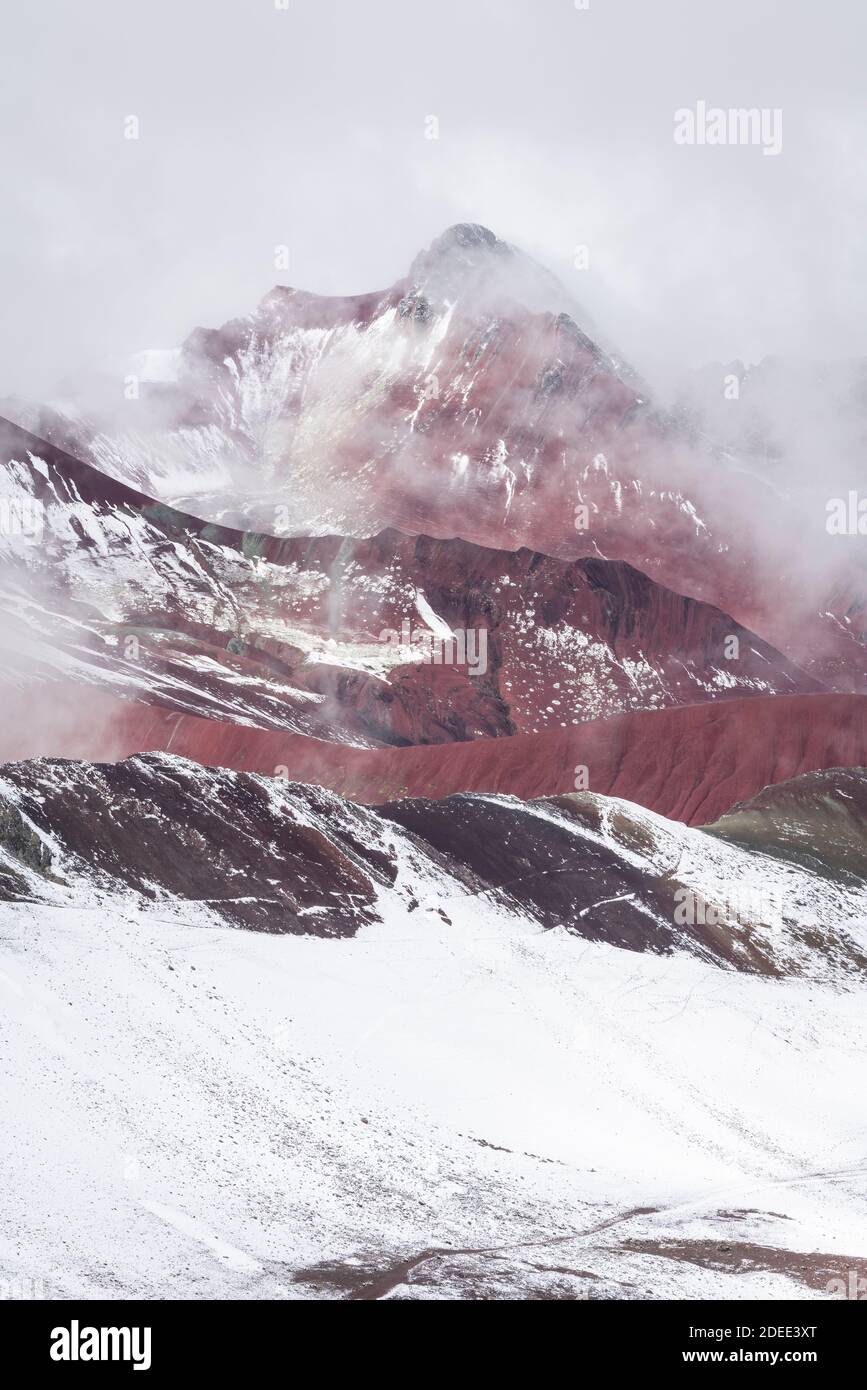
(471, 1108)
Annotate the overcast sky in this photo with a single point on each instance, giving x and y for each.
(305, 126)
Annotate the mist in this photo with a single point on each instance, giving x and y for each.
(335, 140)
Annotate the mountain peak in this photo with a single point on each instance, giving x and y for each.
(462, 248)
(464, 237)
(468, 259)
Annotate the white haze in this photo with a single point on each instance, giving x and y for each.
(305, 127)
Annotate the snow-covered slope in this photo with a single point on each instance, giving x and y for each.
(282, 857)
(460, 1099)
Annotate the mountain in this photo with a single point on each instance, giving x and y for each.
(224, 646)
(125, 595)
(816, 820)
(285, 857)
(468, 401)
(432, 820)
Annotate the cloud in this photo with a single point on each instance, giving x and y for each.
(306, 127)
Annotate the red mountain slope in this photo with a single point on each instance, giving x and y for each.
(691, 764)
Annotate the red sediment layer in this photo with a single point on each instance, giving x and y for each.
(690, 763)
